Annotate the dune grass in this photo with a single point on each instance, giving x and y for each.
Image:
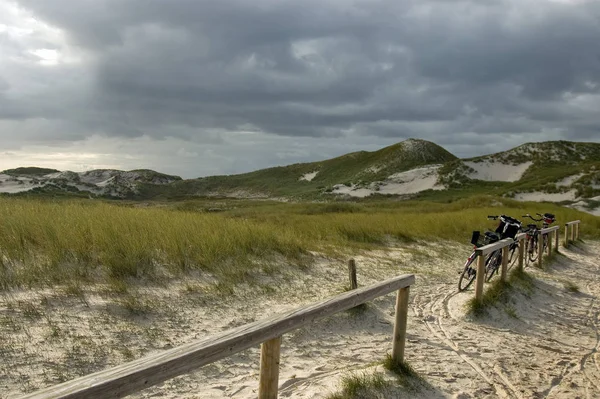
(48, 242)
(499, 292)
(361, 386)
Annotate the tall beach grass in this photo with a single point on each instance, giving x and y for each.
(45, 242)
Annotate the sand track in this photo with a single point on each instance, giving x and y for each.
(545, 342)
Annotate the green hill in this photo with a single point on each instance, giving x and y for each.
(549, 167)
(29, 171)
(566, 171)
(295, 180)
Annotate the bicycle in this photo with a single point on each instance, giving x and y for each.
(508, 227)
(532, 233)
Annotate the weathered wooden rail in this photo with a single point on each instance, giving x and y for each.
(482, 253)
(151, 370)
(574, 225)
(552, 233)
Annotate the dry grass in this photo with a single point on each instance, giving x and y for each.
(48, 243)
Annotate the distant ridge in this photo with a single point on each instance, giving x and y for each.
(99, 182)
(558, 171)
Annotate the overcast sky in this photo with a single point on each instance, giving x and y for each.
(197, 88)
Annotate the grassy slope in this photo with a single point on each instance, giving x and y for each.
(570, 158)
(551, 162)
(284, 180)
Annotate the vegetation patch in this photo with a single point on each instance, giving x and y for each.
(68, 242)
(362, 386)
(407, 376)
(29, 171)
(499, 293)
(570, 286)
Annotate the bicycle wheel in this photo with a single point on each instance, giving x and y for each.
(468, 275)
(533, 250)
(493, 264)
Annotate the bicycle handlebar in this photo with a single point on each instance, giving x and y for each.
(532, 218)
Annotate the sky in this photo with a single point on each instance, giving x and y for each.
(197, 88)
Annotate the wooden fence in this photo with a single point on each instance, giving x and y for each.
(574, 231)
(151, 370)
(551, 232)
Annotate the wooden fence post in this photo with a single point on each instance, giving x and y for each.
(400, 325)
(521, 253)
(566, 235)
(577, 231)
(504, 263)
(540, 249)
(352, 274)
(573, 233)
(556, 234)
(269, 369)
(550, 238)
(480, 278)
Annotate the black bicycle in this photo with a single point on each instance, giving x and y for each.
(508, 227)
(532, 234)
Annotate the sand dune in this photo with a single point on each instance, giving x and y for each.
(497, 171)
(543, 343)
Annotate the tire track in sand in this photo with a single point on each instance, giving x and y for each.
(436, 307)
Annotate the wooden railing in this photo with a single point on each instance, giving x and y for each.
(482, 253)
(574, 231)
(553, 233)
(504, 244)
(151, 370)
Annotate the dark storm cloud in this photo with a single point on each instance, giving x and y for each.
(439, 70)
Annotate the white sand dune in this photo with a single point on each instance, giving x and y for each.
(413, 181)
(13, 185)
(408, 182)
(353, 191)
(102, 181)
(583, 206)
(567, 181)
(539, 196)
(309, 176)
(497, 171)
(542, 343)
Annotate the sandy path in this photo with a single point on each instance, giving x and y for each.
(543, 343)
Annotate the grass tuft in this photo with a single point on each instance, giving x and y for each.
(401, 369)
(511, 311)
(571, 286)
(499, 292)
(361, 386)
(495, 292)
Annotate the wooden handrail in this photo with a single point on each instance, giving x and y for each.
(504, 244)
(574, 225)
(139, 374)
(487, 249)
(548, 230)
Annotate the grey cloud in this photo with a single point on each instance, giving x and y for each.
(441, 70)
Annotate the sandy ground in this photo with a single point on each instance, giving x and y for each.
(309, 176)
(408, 182)
(538, 196)
(543, 343)
(497, 171)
